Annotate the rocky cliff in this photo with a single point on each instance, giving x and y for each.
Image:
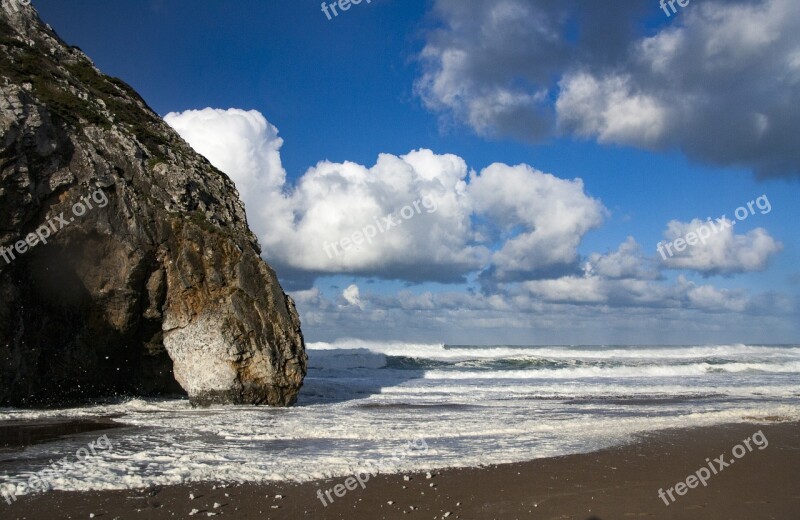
(127, 266)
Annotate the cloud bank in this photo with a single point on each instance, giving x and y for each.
(719, 81)
(515, 229)
(540, 219)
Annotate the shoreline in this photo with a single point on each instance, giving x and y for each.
(617, 482)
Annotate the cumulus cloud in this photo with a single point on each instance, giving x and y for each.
(610, 110)
(723, 252)
(708, 297)
(241, 143)
(245, 146)
(491, 63)
(541, 218)
(433, 199)
(626, 262)
(352, 296)
(720, 82)
(333, 201)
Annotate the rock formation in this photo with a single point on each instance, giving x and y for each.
(127, 265)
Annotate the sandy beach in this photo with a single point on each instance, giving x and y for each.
(620, 482)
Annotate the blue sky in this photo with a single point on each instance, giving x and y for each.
(513, 82)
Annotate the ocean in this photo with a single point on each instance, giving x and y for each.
(472, 405)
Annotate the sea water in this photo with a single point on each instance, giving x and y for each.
(473, 405)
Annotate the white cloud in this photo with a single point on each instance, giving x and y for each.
(723, 252)
(540, 218)
(630, 293)
(708, 297)
(609, 109)
(569, 289)
(625, 262)
(241, 143)
(245, 146)
(352, 296)
(332, 201)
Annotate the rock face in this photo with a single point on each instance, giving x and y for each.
(127, 264)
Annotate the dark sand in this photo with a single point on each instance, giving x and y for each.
(617, 483)
(16, 434)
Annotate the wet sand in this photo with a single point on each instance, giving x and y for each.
(16, 434)
(616, 483)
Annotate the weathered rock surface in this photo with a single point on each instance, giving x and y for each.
(160, 287)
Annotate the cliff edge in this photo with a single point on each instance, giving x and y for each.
(127, 266)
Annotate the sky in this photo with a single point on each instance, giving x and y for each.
(492, 171)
